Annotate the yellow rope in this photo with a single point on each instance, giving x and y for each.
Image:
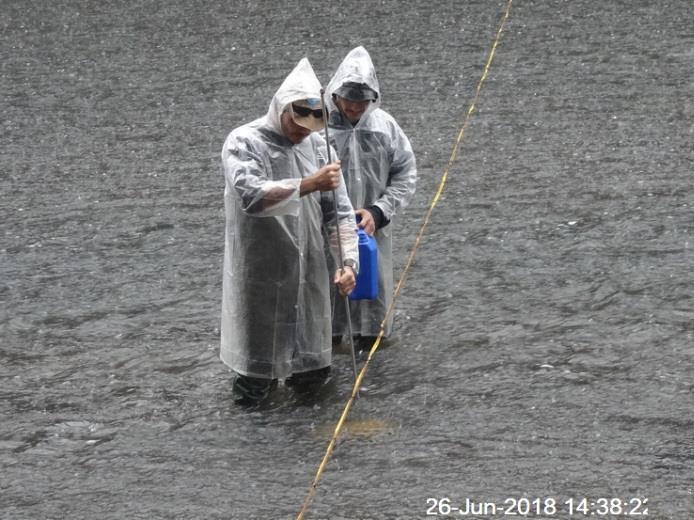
(338, 427)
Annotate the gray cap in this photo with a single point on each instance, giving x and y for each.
(356, 92)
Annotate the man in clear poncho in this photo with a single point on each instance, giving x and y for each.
(379, 168)
(276, 320)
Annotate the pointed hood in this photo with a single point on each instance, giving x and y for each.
(357, 67)
(300, 84)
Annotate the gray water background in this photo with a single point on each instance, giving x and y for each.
(543, 343)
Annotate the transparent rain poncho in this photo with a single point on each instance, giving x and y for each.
(276, 284)
(379, 168)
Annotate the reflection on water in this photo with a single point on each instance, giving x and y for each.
(543, 339)
(352, 429)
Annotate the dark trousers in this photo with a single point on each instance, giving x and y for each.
(251, 390)
(310, 381)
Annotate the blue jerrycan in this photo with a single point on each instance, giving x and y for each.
(367, 279)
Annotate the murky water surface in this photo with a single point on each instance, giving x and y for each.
(543, 343)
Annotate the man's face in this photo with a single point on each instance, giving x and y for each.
(352, 110)
(295, 133)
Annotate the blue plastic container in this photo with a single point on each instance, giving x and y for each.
(367, 279)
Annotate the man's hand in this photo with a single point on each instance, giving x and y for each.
(327, 178)
(365, 221)
(345, 280)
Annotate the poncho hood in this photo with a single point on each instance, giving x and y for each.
(357, 67)
(301, 83)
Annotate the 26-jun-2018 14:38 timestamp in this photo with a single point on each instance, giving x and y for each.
(607, 507)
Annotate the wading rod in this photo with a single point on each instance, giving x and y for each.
(339, 242)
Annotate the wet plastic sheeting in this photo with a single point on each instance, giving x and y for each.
(543, 341)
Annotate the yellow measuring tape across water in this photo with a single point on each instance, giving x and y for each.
(410, 259)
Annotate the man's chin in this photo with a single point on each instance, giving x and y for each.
(298, 137)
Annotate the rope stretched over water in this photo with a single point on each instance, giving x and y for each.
(444, 177)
